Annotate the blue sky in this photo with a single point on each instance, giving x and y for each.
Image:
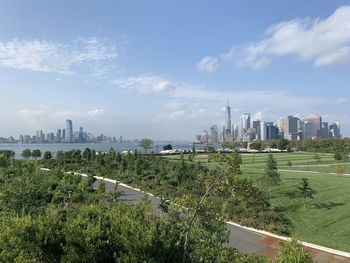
(165, 69)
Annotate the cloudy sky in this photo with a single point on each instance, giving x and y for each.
(165, 69)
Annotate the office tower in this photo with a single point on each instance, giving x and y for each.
(334, 130)
(214, 134)
(263, 131)
(81, 134)
(316, 121)
(228, 120)
(63, 135)
(306, 129)
(58, 135)
(256, 128)
(272, 131)
(245, 123)
(290, 127)
(235, 132)
(325, 130)
(69, 131)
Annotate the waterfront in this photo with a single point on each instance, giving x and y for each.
(99, 147)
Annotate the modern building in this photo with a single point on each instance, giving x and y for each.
(334, 130)
(263, 131)
(214, 134)
(272, 131)
(245, 124)
(316, 121)
(228, 120)
(69, 131)
(306, 129)
(291, 128)
(256, 128)
(58, 135)
(325, 130)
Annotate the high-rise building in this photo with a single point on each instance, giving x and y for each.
(272, 131)
(58, 136)
(306, 129)
(334, 130)
(214, 134)
(291, 128)
(325, 130)
(263, 131)
(69, 131)
(245, 123)
(256, 128)
(316, 121)
(228, 120)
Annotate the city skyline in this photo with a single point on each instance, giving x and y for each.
(149, 77)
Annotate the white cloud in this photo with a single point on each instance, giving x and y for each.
(146, 83)
(47, 56)
(321, 41)
(342, 100)
(207, 64)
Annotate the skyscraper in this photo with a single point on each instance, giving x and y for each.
(228, 120)
(58, 135)
(245, 123)
(334, 130)
(316, 121)
(263, 131)
(69, 131)
(290, 126)
(214, 134)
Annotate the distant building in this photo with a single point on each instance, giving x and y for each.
(245, 124)
(325, 130)
(306, 130)
(334, 130)
(214, 134)
(58, 135)
(256, 128)
(290, 128)
(228, 120)
(263, 131)
(272, 131)
(69, 131)
(316, 121)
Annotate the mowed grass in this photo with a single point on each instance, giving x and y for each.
(326, 220)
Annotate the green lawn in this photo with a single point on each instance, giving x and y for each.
(326, 220)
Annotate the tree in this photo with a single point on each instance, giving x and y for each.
(146, 144)
(36, 154)
(293, 252)
(227, 145)
(27, 153)
(271, 176)
(345, 157)
(47, 155)
(257, 145)
(305, 191)
(283, 144)
(164, 205)
(87, 154)
(167, 147)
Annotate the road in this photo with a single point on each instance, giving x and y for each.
(246, 240)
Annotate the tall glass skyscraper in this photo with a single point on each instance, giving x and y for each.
(228, 120)
(69, 131)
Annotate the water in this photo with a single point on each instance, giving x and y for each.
(100, 147)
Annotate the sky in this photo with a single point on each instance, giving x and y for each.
(166, 69)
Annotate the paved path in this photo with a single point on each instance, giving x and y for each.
(245, 239)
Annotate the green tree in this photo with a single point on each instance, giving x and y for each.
(293, 252)
(167, 147)
(164, 205)
(36, 154)
(47, 155)
(257, 145)
(305, 191)
(26, 153)
(87, 154)
(146, 144)
(283, 144)
(271, 176)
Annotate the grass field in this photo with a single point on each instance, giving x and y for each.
(326, 220)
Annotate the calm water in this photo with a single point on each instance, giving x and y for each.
(101, 147)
